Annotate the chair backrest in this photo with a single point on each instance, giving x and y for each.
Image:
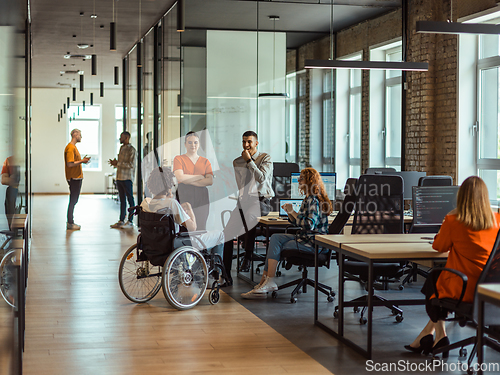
(379, 205)
(379, 170)
(435, 181)
(346, 207)
(490, 275)
(157, 236)
(281, 182)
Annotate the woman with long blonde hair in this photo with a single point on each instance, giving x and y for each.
(468, 234)
(312, 215)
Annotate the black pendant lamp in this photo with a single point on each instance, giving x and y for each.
(112, 36)
(74, 93)
(94, 65)
(81, 82)
(61, 113)
(83, 105)
(91, 98)
(139, 54)
(117, 75)
(67, 102)
(58, 118)
(101, 89)
(64, 107)
(181, 20)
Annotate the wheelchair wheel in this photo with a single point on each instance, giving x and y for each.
(139, 280)
(7, 278)
(184, 278)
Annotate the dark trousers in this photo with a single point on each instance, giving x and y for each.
(125, 192)
(10, 203)
(198, 197)
(75, 186)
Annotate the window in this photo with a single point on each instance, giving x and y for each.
(328, 123)
(88, 120)
(488, 135)
(354, 132)
(303, 139)
(291, 118)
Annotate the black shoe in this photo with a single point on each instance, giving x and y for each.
(228, 282)
(443, 342)
(245, 265)
(424, 347)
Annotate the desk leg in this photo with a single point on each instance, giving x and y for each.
(370, 310)
(340, 328)
(480, 335)
(316, 277)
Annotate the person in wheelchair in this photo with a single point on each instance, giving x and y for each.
(468, 234)
(160, 183)
(312, 216)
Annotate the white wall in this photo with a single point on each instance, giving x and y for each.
(49, 138)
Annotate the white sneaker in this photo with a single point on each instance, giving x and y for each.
(128, 225)
(267, 286)
(72, 226)
(118, 224)
(253, 295)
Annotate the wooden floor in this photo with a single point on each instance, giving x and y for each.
(78, 321)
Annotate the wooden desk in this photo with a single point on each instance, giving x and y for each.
(370, 249)
(486, 293)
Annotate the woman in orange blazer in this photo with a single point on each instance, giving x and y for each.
(468, 234)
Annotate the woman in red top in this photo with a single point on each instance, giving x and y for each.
(194, 174)
(468, 234)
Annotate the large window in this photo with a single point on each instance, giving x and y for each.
(488, 139)
(88, 120)
(303, 139)
(328, 123)
(354, 130)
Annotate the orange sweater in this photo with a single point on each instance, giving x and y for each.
(469, 252)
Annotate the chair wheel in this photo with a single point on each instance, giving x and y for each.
(274, 294)
(363, 320)
(293, 300)
(257, 271)
(470, 370)
(332, 293)
(335, 314)
(399, 318)
(329, 299)
(214, 296)
(395, 312)
(355, 309)
(278, 273)
(462, 352)
(401, 287)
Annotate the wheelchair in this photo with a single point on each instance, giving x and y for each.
(7, 277)
(153, 263)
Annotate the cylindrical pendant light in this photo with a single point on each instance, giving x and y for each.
(58, 118)
(64, 107)
(61, 113)
(91, 98)
(112, 36)
(117, 75)
(94, 65)
(181, 21)
(81, 82)
(78, 111)
(139, 54)
(84, 105)
(101, 89)
(74, 93)
(67, 101)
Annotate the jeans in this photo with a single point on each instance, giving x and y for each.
(125, 191)
(75, 186)
(279, 241)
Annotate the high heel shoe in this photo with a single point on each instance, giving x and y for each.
(424, 347)
(443, 342)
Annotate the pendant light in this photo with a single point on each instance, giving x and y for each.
(83, 105)
(94, 56)
(117, 75)
(112, 31)
(139, 44)
(81, 82)
(61, 113)
(58, 118)
(67, 102)
(274, 94)
(91, 98)
(74, 93)
(101, 89)
(181, 20)
(64, 107)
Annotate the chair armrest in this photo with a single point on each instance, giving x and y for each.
(189, 234)
(291, 227)
(434, 275)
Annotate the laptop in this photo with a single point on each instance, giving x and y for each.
(296, 203)
(430, 205)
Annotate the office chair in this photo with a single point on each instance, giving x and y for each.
(378, 210)
(425, 181)
(292, 256)
(467, 312)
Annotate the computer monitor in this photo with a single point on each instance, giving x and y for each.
(296, 203)
(410, 179)
(432, 203)
(329, 180)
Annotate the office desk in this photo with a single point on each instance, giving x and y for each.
(486, 293)
(370, 248)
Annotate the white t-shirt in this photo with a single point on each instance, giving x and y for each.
(165, 205)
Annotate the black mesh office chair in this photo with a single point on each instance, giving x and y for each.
(379, 170)
(414, 270)
(466, 312)
(291, 256)
(378, 210)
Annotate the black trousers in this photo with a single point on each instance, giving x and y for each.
(198, 197)
(75, 186)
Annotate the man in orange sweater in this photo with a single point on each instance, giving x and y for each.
(74, 175)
